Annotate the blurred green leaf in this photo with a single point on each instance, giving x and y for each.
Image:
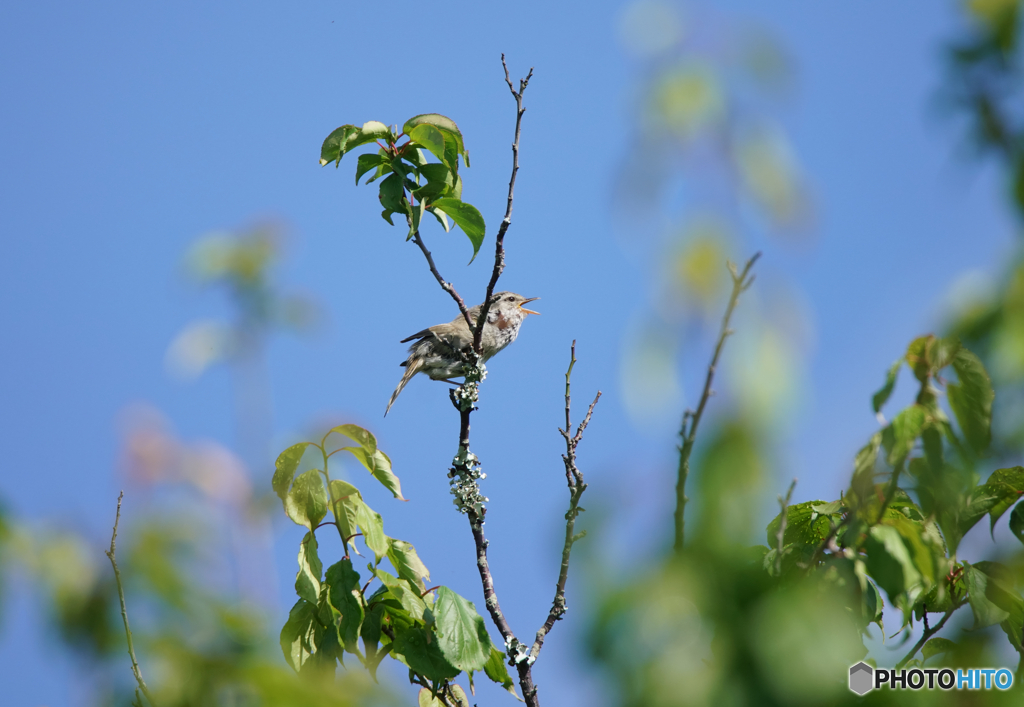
(429, 137)
(1017, 521)
(346, 596)
(971, 400)
(467, 218)
(461, 631)
(1007, 485)
(419, 647)
(889, 561)
(901, 434)
(306, 503)
(407, 563)
(370, 633)
(496, 670)
(285, 467)
(307, 581)
(879, 399)
(986, 613)
(298, 634)
(937, 646)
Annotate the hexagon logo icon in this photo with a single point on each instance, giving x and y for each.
(861, 678)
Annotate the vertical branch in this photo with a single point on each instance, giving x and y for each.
(124, 608)
(574, 480)
(688, 432)
(499, 242)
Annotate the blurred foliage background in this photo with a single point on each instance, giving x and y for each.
(710, 175)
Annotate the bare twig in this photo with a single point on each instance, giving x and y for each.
(124, 608)
(740, 282)
(780, 538)
(929, 632)
(574, 479)
(445, 285)
(499, 242)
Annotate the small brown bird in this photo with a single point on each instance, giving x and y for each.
(434, 349)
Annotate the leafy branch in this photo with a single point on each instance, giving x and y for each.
(688, 432)
(111, 555)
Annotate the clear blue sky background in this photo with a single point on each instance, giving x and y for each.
(129, 129)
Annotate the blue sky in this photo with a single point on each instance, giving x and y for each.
(130, 130)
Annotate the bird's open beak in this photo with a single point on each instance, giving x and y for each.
(528, 311)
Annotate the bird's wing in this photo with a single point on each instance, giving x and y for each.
(417, 335)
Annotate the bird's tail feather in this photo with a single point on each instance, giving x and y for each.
(412, 369)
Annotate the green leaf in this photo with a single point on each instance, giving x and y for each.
(405, 593)
(439, 181)
(407, 563)
(379, 466)
(986, 612)
(899, 437)
(370, 633)
(461, 631)
(879, 399)
(889, 561)
(372, 526)
(349, 137)
(805, 524)
(370, 161)
(467, 218)
(419, 647)
(429, 137)
(937, 646)
(298, 634)
(306, 503)
(285, 468)
(495, 669)
(1007, 485)
(346, 598)
(1017, 521)
(307, 581)
(346, 512)
(360, 435)
(971, 400)
(439, 121)
(392, 196)
(442, 218)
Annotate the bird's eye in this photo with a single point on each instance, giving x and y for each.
(508, 299)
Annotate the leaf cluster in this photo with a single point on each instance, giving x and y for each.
(436, 633)
(410, 184)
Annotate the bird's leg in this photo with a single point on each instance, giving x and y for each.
(446, 380)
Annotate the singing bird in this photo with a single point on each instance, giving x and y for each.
(434, 350)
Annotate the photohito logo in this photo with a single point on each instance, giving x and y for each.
(864, 678)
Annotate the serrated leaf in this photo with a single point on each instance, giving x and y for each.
(468, 218)
(937, 646)
(879, 399)
(496, 670)
(345, 598)
(306, 503)
(285, 467)
(405, 593)
(804, 525)
(370, 633)
(298, 634)
(422, 654)
(430, 138)
(307, 580)
(971, 400)
(1007, 485)
(461, 632)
